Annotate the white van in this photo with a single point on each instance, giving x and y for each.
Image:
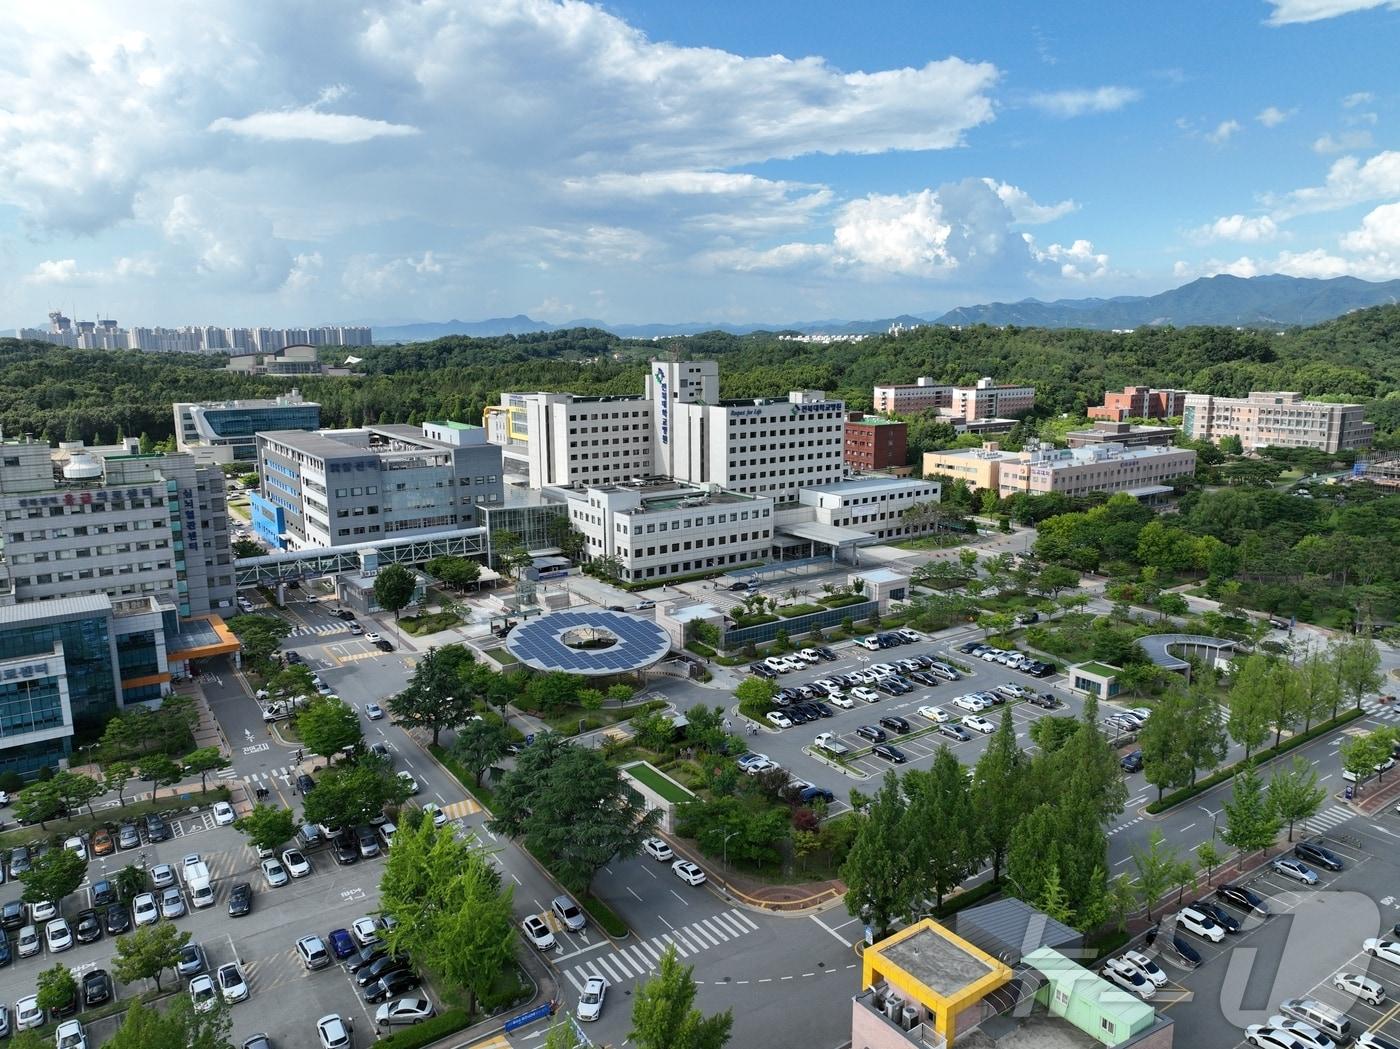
(1326, 1019)
(870, 643)
(386, 835)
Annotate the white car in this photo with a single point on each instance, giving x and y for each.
(374, 711)
(1363, 987)
(76, 846)
(330, 1029)
(70, 1035)
(1384, 766)
(838, 699)
(404, 1011)
(590, 1002)
(1265, 1037)
(1200, 923)
(223, 814)
(28, 1014)
(1371, 1040)
(688, 872)
(203, 993)
(972, 702)
(58, 936)
(538, 933)
(1295, 869)
(28, 942)
(867, 695)
(755, 768)
(779, 719)
(298, 866)
(410, 782)
(809, 656)
(935, 714)
(884, 669)
(365, 930)
(1380, 947)
(657, 849)
(1305, 1034)
(979, 724)
(1126, 976)
(777, 663)
(172, 903)
(274, 872)
(144, 910)
(372, 637)
(42, 911)
(433, 809)
(232, 985)
(1145, 965)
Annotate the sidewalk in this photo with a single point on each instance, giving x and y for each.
(760, 895)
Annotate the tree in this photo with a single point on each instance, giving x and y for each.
(880, 885)
(115, 777)
(572, 809)
(178, 1026)
(1296, 794)
(131, 882)
(1286, 696)
(1357, 663)
(1250, 821)
(940, 828)
(53, 876)
(1163, 739)
(563, 1035)
(328, 725)
(1156, 867)
(76, 790)
(654, 729)
(246, 548)
(347, 795)
(1053, 579)
(267, 826)
(457, 572)
(755, 695)
(56, 987)
(999, 783)
(393, 588)
(145, 953)
(1054, 902)
(1122, 901)
(744, 829)
(204, 761)
(1320, 685)
(1250, 703)
(38, 803)
(442, 692)
(479, 745)
(1051, 732)
(159, 770)
(259, 636)
(551, 692)
(1209, 858)
(664, 1016)
(1205, 743)
(608, 566)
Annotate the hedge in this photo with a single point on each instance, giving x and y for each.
(754, 620)
(976, 894)
(793, 611)
(604, 915)
(427, 1032)
(700, 648)
(1221, 775)
(841, 600)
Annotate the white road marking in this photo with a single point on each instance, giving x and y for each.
(680, 897)
(634, 895)
(1186, 828)
(829, 929)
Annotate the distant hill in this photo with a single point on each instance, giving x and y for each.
(1272, 301)
(521, 324)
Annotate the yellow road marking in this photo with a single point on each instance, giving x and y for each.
(459, 809)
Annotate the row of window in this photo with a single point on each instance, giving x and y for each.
(685, 567)
(44, 557)
(677, 548)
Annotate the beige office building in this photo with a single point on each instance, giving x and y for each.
(986, 400)
(1276, 419)
(1142, 472)
(979, 467)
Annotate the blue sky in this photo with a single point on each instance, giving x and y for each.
(302, 163)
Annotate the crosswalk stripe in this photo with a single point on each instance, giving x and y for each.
(732, 924)
(574, 980)
(608, 970)
(660, 947)
(458, 809)
(641, 961)
(718, 932)
(697, 930)
(744, 919)
(688, 934)
(670, 937)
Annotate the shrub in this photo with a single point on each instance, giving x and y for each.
(427, 1032)
(792, 611)
(700, 648)
(604, 915)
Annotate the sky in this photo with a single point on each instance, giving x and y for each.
(299, 163)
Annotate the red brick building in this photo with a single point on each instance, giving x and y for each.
(1140, 402)
(875, 443)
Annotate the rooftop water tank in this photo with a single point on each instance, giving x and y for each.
(82, 467)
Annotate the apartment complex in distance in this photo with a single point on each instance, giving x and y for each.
(876, 443)
(227, 431)
(1143, 472)
(985, 400)
(191, 338)
(338, 487)
(1276, 419)
(1140, 402)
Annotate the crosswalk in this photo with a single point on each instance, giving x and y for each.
(1329, 818)
(1125, 826)
(636, 960)
(458, 809)
(1386, 712)
(317, 629)
(271, 776)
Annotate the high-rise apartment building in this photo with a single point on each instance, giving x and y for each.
(1276, 419)
(1139, 402)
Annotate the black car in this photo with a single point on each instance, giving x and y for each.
(798, 715)
(391, 984)
(889, 687)
(1132, 761)
(117, 919)
(383, 645)
(870, 732)
(956, 732)
(345, 614)
(103, 893)
(156, 828)
(295, 657)
(364, 956)
(305, 783)
(890, 753)
(87, 926)
(12, 914)
(968, 647)
(97, 988)
(923, 677)
(1223, 918)
(1313, 853)
(895, 724)
(826, 654)
(344, 848)
(240, 900)
(1183, 950)
(381, 966)
(823, 711)
(1244, 899)
(759, 670)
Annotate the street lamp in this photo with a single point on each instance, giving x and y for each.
(726, 847)
(1214, 819)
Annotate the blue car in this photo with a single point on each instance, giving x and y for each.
(342, 946)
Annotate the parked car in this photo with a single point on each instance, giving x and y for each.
(312, 952)
(1131, 762)
(96, 987)
(144, 909)
(296, 863)
(58, 936)
(331, 1031)
(1297, 870)
(890, 753)
(981, 724)
(1200, 923)
(956, 732)
(103, 844)
(568, 912)
(340, 943)
(1243, 898)
(871, 733)
(658, 850)
(240, 900)
(87, 926)
(1317, 855)
(866, 695)
(1127, 976)
(192, 960)
(1145, 965)
(116, 919)
(203, 993)
(1382, 948)
(1219, 915)
(778, 719)
(688, 872)
(1361, 986)
(232, 985)
(390, 984)
(404, 1011)
(895, 724)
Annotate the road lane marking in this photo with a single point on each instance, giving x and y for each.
(634, 894)
(680, 897)
(829, 929)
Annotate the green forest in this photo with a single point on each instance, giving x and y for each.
(89, 395)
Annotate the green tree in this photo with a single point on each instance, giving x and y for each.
(940, 828)
(479, 745)
(259, 636)
(607, 566)
(1054, 901)
(999, 785)
(56, 987)
(1205, 743)
(1286, 698)
(267, 826)
(327, 725)
(351, 794)
(457, 572)
(654, 730)
(442, 692)
(76, 789)
(1156, 867)
(1209, 858)
(552, 692)
(1163, 741)
(159, 770)
(746, 829)
(572, 809)
(145, 953)
(246, 548)
(1321, 687)
(393, 588)
(880, 881)
(1357, 662)
(563, 1035)
(1051, 732)
(204, 761)
(664, 1014)
(115, 778)
(755, 695)
(1251, 823)
(131, 882)
(178, 1026)
(38, 803)
(53, 876)
(1250, 703)
(1296, 794)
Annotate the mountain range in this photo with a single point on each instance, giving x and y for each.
(1271, 301)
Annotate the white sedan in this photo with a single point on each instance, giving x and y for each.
(867, 695)
(203, 993)
(274, 872)
(298, 866)
(410, 782)
(979, 724)
(538, 933)
(76, 846)
(70, 1035)
(223, 814)
(232, 985)
(404, 1011)
(144, 910)
(1380, 947)
(28, 1014)
(688, 872)
(590, 1002)
(971, 702)
(1363, 987)
(434, 810)
(365, 930)
(58, 936)
(372, 637)
(779, 719)
(935, 714)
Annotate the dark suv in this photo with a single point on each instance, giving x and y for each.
(1317, 855)
(156, 829)
(895, 724)
(870, 732)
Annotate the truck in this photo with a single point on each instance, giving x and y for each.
(197, 880)
(279, 709)
(828, 742)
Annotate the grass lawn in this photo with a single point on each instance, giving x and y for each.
(431, 623)
(1098, 668)
(502, 656)
(566, 721)
(940, 541)
(663, 785)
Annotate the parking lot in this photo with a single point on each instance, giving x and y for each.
(262, 943)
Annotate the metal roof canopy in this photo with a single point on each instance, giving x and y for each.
(831, 535)
(1008, 929)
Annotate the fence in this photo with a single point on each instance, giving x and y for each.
(829, 617)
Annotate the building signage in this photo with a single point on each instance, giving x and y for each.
(10, 673)
(822, 406)
(665, 405)
(191, 529)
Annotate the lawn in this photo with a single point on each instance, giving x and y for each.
(939, 541)
(502, 656)
(567, 721)
(1098, 668)
(663, 785)
(431, 623)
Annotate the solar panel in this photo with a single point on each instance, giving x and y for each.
(539, 643)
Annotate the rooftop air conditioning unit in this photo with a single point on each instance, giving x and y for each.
(909, 1017)
(894, 1008)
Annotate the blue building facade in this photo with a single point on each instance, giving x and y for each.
(269, 519)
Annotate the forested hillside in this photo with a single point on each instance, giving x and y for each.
(88, 394)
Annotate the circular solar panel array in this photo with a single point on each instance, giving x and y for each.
(540, 643)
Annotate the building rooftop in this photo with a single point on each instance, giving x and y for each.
(868, 485)
(1009, 928)
(286, 401)
(874, 420)
(882, 575)
(86, 604)
(937, 962)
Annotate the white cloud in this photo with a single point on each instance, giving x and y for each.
(1237, 227)
(305, 273)
(1076, 102)
(783, 257)
(1380, 231)
(373, 275)
(1343, 142)
(1357, 98)
(1025, 210)
(67, 271)
(1349, 181)
(1078, 261)
(230, 248)
(56, 271)
(720, 201)
(1223, 132)
(1286, 12)
(1272, 116)
(311, 125)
